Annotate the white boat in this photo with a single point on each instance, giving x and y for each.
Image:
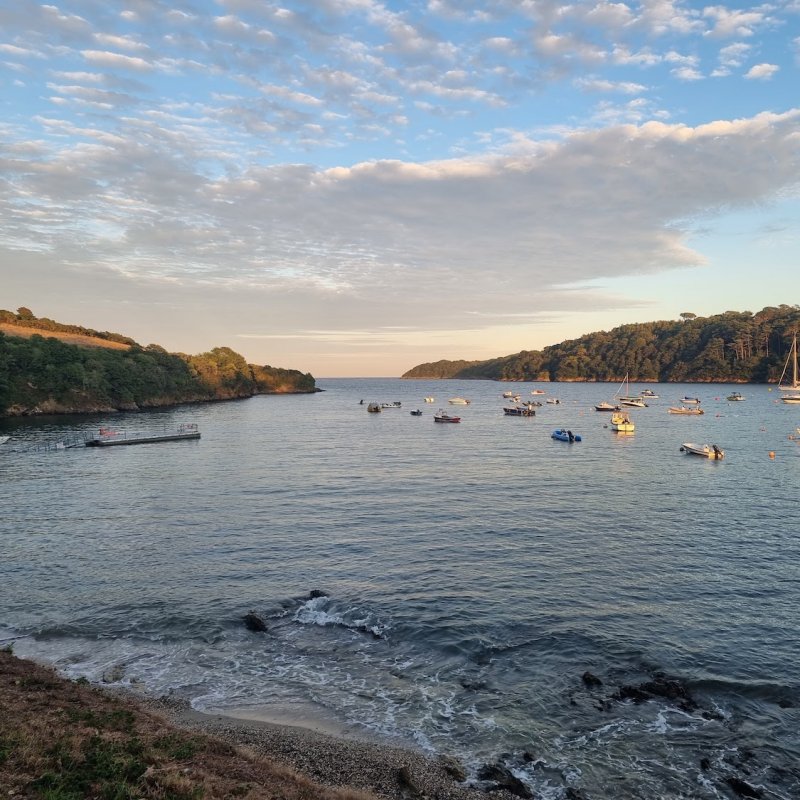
(606, 407)
(648, 393)
(690, 401)
(538, 391)
(508, 394)
(458, 401)
(429, 399)
(735, 397)
(626, 398)
(442, 416)
(395, 404)
(706, 450)
(685, 410)
(620, 421)
(794, 385)
(554, 401)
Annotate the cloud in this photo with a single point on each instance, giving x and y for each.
(106, 59)
(761, 72)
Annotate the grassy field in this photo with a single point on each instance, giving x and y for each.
(67, 338)
(65, 740)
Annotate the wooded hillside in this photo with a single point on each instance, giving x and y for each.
(42, 374)
(737, 346)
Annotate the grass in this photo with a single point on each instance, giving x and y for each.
(65, 740)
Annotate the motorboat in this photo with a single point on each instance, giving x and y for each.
(690, 401)
(793, 399)
(519, 411)
(632, 402)
(735, 396)
(441, 416)
(648, 393)
(563, 435)
(705, 450)
(606, 407)
(429, 399)
(620, 421)
(395, 404)
(538, 391)
(508, 394)
(685, 410)
(416, 413)
(554, 401)
(458, 401)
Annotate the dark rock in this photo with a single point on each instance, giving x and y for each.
(590, 680)
(705, 764)
(528, 757)
(503, 778)
(783, 703)
(743, 788)
(575, 794)
(408, 783)
(660, 686)
(315, 593)
(452, 766)
(254, 623)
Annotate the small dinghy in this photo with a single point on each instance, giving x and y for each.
(705, 450)
(564, 435)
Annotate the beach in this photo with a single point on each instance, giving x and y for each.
(220, 755)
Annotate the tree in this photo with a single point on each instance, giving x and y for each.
(687, 315)
(25, 313)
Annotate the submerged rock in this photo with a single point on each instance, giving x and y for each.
(502, 778)
(591, 680)
(660, 686)
(254, 623)
(743, 788)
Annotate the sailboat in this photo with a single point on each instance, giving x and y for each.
(794, 386)
(627, 399)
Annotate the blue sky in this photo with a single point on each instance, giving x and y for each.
(351, 187)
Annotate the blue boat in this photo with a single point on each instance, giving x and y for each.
(563, 435)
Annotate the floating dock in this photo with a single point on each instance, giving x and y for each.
(114, 439)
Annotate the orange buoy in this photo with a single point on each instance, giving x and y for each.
(772, 454)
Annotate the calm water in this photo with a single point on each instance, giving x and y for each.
(474, 572)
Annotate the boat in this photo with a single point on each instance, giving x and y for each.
(794, 384)
(395, 404)
(441, 416)
(735, 396)
(429, 399)
(458, 401)
(416, 413)
(553, 401)
(626, 398)
(648, 393)
(685, 410)
(706, 450)
(606, 407)
(374, 408)
(791, 398)
(111, 438)
(519, 411)
(690, 401)
(508, 394)
(538, 391)
(563, 435)
(620, 421)
(632, 402)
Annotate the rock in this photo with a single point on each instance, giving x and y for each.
(575, 794)
(660, 686)
(315, 593)
(705, 764)
(503, 778)
(408, 783)
(743, 788)
(590, 680)
(254, 623)
(452, 766)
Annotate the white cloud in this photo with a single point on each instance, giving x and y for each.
(762, 72)
(106, 59)
(728, 23)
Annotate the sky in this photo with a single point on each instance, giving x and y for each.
(353, 187)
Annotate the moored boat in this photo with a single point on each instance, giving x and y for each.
(606, 407)
(735, 397)
(563, 435)
(395, 404)
(706, 450)
(538, 391)
(429, 399)
(620, 421)
(648, 393)
(416, 413)
(519, 411)
(442, 416)
(458, 401)
(794, 384)
(690, 401)
(632, 402)
(685, 410)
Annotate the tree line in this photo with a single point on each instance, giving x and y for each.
(736, 346)
(45, 375)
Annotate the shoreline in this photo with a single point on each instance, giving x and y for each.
(333, 755)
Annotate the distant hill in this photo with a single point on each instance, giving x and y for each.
(50, 368)
(737, 346)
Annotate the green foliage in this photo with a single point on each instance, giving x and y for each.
(44, 373)
(735, 346)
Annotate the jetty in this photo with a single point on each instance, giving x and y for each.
(112, 438)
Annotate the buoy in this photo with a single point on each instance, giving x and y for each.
(772, 454)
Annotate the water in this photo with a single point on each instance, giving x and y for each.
(473, 573)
